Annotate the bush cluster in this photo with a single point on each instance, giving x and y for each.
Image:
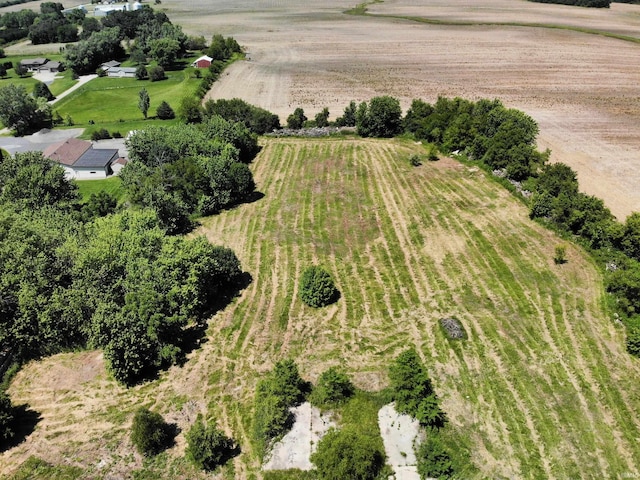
(333, 388)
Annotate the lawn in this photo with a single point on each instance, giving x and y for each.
(542, 387)
(108, 101)
(111, 185)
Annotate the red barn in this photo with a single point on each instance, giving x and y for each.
(202, 62)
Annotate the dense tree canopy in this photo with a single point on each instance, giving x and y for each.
(256, 119)
(412, 390)
(20, 112)
(87, 55)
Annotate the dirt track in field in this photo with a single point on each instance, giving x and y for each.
(583, 89)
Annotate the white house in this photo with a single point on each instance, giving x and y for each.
(80, 160)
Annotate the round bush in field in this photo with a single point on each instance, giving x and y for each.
(150, 433)
(317, 288)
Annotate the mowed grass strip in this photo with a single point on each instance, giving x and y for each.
(535, 387)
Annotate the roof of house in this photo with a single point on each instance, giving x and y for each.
(120, 69)
(34, 61)
(51, 64)
(204, 57)
(110, 63)
(120, 161)
(67, 152)
(98, 158)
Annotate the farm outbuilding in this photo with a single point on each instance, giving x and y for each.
(202, 62)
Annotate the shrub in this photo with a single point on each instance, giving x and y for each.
(333, 387)
(317, 288)
(116, 134)
(208, 447)
(150, 434)
(560, 256)
(633, 341)
(415, 160)
(348, 454)
(141, 72)
(164, 111)
(101, 134)
(433, 458)
(156, 74)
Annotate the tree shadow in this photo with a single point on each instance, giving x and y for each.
(23, 424)
(195, 335)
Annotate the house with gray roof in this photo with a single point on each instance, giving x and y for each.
(80, 160)
(33, 64)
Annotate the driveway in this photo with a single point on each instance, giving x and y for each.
(38, 141)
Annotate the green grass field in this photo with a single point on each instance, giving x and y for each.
(542, 387)
(111, 185)
(112, 101)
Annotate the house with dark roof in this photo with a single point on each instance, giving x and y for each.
(50, 66)
(33, 64)
(80, 160)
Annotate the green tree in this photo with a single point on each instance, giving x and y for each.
(87, 55)
(143, 102)
(322, 118)
(19, 111)
(296, 120)
(434, 460)
(317, 288)
(41, 90)
(334, 387)
(150, 434)
(6, 417)
(348, 118)
(343, 454)
(164, 111)
(412, 390)
(382, 117)
(164, 51)
(258, 120)
(190, 110)
(31, 181)
(279, 390)
(207, 446)
(141, 72)
(156, 73)
(3, 70)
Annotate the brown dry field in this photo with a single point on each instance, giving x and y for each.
(583, 89)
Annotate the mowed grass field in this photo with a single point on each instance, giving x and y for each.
(542, 388)
(110, 102)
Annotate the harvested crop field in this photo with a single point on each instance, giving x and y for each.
(582, 88)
